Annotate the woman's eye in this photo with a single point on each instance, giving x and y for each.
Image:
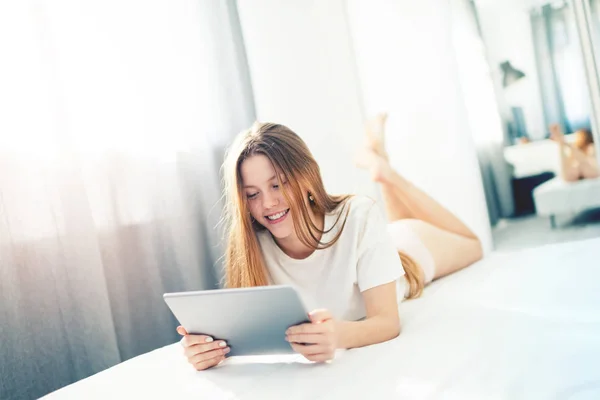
(275, 186)
(251, 196)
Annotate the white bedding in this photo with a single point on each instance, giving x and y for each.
(523, 325)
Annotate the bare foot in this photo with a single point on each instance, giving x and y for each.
(378, 166)
(375, 129)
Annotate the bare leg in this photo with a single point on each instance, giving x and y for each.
(394, 206)
(402, 198)
(452, 244)
(375, 129)
(413, 200)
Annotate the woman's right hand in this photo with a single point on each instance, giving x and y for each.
(202, 351)
(556, 133)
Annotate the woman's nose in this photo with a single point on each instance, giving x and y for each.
(270, 201)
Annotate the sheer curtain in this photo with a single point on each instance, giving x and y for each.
(113, 120)
(483, 110)
(595, 21)
(560, 67)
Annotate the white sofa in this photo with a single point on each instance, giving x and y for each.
(533, 158)
(557, 196)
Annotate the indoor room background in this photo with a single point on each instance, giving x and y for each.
(115, 115)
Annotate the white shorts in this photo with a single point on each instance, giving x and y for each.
(407, 241)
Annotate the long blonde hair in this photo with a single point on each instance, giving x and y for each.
(294, 162)
(414, 276)
(244, 264)
(583, 139)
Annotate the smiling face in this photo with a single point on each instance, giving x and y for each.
(264, 196)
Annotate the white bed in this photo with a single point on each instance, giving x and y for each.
(523, 325)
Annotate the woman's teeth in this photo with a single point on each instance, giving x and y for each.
(278, 215)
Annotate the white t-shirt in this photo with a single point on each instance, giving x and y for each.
(363, 257)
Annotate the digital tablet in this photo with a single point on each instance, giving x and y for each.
(253, 321)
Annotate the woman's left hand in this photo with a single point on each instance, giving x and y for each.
(317, 340)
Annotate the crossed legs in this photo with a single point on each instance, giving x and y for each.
(451, 243)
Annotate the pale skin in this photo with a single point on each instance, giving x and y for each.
(574, 163)
(451, 243)
(318, 340)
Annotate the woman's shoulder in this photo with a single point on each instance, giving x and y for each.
(364, 222)
(357, 208)
(361, 205)
(362, 202)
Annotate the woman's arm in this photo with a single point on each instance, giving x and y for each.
(378, 267)
(382, 322)
(569, 171)
(318, 340)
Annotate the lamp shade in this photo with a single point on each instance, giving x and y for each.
(511, 74)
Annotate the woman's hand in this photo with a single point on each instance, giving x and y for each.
(202, 351)
(556, 133)
(317, 340)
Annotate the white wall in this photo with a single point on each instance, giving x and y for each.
(407, 65)
(303, 76)
(303, 73)
(507, 32)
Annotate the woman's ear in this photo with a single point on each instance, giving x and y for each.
(311, 198)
